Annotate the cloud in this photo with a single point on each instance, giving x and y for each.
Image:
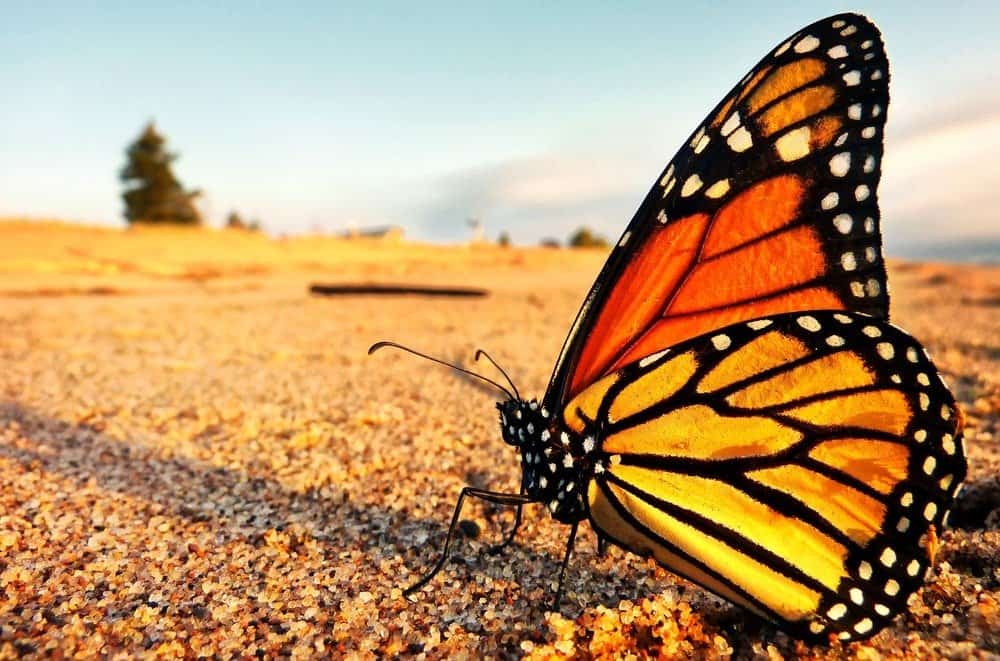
(535, 197)
(941, 179)
(940, 182)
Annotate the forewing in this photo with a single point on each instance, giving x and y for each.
(793, 464)
(769, 207)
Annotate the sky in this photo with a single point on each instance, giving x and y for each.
(534, 118)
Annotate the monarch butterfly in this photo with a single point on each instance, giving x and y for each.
(731, 398)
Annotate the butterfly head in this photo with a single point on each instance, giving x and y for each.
(522, 422)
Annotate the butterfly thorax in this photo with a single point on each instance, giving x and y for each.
(556, 463)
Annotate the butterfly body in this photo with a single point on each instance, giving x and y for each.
(556, 462)
(731, 398)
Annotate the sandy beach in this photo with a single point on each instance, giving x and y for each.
(198, 458)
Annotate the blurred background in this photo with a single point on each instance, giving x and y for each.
(448, 122)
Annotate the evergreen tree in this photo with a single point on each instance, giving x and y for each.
(152, 192)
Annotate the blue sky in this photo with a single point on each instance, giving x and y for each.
(535, 119)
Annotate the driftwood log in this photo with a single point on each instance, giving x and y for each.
(393, 290)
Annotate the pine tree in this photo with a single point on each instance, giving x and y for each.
(152, 192)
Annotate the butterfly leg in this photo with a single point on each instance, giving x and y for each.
(489, 496)
(565, 562)
(497, 548)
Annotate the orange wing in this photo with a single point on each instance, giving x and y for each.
(769, 207)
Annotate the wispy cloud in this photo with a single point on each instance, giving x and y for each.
(543, 196)
(940, 177)
(940, 181)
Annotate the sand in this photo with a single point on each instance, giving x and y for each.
(198, 458)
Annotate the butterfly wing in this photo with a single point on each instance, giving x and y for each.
(790, 464)
(769, 207)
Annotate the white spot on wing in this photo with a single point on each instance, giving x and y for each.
(702, 143)
(829, 201)
(740, 140)
(848, 262)
(837, 52)
(669, 186)
(852, 78)
(721, 341)
(840, 164)
(652, 358)
(699, 134)
(871, 331)
(758, 324)
(794, 144)
(691, 186)
(665, 179)
(718, 189)
(809, 323)
(843, 222)
(730, 125)
(807, 44)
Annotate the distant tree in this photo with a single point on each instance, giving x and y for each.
(503, 240)
(152, 192)
(549, 242)
(586, 238)
(235, 221)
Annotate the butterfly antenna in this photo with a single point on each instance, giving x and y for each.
(379, 345)
(481, 352)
